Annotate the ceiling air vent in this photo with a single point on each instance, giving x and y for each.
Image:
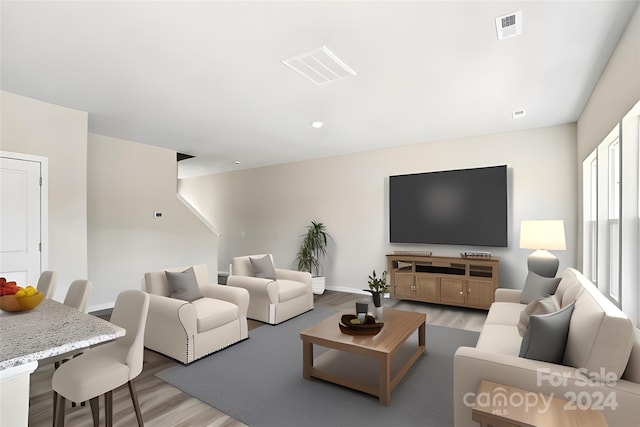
(509, 25)
(183, 156)
(319, 66)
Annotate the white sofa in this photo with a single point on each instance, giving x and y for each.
(187, 331)
(601, 364)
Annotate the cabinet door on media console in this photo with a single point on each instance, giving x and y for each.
(479, 293)
(405, 284)
(427, 288)
(452, 291)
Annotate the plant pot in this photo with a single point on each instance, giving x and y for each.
(377, 301)
(317, 285)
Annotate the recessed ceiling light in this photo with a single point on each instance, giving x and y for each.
(237, 162)
(317, 125)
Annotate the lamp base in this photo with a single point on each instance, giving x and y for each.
(543, 263)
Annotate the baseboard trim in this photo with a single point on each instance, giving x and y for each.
(346, 289)
(352, 290)
(101, 307)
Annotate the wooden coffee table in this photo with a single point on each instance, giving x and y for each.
(371, 364)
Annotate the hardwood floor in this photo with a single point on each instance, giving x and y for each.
(163, 405)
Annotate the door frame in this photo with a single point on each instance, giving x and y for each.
(44, 201)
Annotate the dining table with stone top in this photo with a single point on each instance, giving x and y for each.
(48, 330)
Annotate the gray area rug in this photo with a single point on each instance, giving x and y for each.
(259, 382)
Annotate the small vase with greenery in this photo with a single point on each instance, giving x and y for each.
(377, 287)
(313, 247)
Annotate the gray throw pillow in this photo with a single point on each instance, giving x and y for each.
(263, 267)
(183, 285)
(546, 336)
(536, 286)
(539, 306)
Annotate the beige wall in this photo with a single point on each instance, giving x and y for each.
(617, 91)
(102, 196)
(266, 209)
(128, 182)
(60, 134)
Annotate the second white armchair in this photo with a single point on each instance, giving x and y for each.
(276, 294)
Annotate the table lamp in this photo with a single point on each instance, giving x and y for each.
(543, 236)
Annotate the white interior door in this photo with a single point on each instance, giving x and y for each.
(20, 220)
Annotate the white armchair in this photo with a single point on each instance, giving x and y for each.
(189, 330)
(285, 294)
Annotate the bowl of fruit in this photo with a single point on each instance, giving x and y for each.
(16, 298)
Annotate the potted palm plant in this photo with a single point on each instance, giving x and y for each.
(312, 249)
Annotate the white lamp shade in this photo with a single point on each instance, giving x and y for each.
(547, 234)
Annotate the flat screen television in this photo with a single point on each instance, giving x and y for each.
(455, 207)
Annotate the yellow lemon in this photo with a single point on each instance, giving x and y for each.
(21, 293)
(30, 290)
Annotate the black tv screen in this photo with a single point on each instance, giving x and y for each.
(456, 207)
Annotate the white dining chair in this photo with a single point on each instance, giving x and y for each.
(78, 295)
(102, 369)
(47, 283)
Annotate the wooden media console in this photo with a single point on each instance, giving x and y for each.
(466, 282)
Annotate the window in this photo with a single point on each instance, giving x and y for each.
(613, 220)
(590, 212)
(611, 215)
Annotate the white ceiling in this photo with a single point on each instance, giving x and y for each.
(205, 78)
